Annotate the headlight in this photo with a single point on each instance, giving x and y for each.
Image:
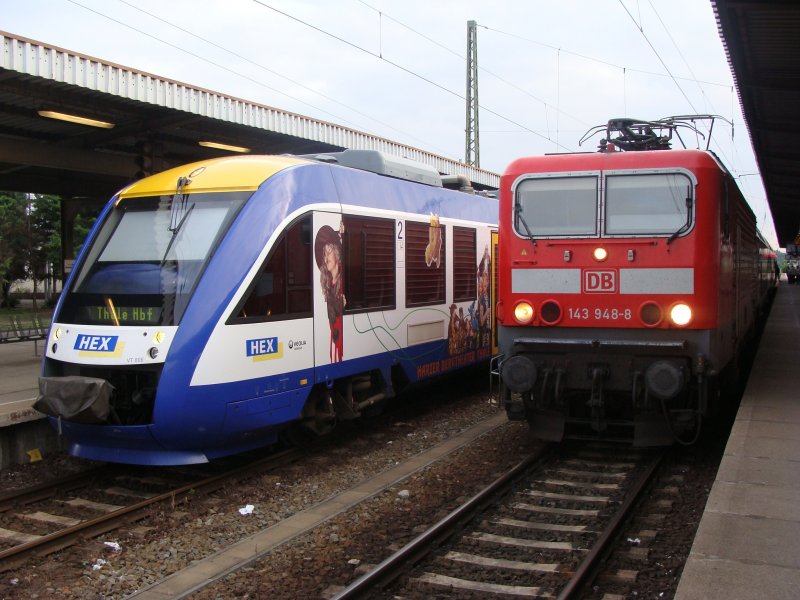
(600, 254)
(523, 313)
(680, 314)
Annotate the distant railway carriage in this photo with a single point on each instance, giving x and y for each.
(220, 303)
(629, 282)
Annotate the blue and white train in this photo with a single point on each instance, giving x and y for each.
(217, 304)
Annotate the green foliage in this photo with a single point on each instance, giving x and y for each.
(30, 237)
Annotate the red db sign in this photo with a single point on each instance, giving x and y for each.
(600, 282)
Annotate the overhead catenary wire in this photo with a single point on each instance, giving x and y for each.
(274, 72)
(408, 71)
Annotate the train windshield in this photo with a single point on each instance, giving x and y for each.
(640, 204)
(147, 257)
(557, 206)
(656, 203)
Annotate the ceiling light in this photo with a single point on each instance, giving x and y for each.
(228, 147)
(52, 114)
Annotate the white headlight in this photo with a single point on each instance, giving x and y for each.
(523, 313)
(680, 314)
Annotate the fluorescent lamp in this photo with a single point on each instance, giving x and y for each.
(228, 147)
(52, 114)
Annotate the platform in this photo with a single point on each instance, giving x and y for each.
(748, 542)
(23, 430)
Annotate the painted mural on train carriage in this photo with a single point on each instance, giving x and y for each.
(466, 336)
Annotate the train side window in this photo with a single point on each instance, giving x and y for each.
(369, 264)
(465, 285)
(425, 263)
(282, 288)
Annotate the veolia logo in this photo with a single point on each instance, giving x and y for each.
(600, 282)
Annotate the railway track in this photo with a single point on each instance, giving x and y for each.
(58, 514)
(539, 531)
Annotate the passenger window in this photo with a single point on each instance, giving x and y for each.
(282, 288)
(464, 264)
(369, 264)
(425, 263)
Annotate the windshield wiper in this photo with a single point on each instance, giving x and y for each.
(518, 216)
(175, 232)
(685, 227)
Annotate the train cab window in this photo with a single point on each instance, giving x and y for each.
(465, 286)
(282, 288)
(553, 206)
(369, 264)
(425, 263)
(656, 203)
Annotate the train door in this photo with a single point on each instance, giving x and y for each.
(329, 298)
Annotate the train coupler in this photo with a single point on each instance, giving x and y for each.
(596, 403)
(513, 403)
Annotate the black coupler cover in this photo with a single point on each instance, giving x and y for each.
(74, 398)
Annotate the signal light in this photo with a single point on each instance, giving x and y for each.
(600, 254)
(650, 314)
(523, 313)
(550, 312)
(680, 314)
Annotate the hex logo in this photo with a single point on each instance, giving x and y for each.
(600, 282)
(98, 345)
(264, 349)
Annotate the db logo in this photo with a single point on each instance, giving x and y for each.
(599, 282)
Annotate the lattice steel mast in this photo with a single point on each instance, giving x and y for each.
(472, 153)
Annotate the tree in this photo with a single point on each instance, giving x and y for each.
(13, 242)
(30, 238)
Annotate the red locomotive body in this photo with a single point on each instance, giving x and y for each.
(628, 282)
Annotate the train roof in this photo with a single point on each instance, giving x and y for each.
(606, 161)
(247, 173)
(232, 173)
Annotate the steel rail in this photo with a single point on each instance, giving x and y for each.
(388, 570)
(48, 489)
(107, 522)
(586, 570)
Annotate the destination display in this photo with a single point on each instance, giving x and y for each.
(125, 315)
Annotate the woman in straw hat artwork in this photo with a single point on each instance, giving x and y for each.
(328, 254)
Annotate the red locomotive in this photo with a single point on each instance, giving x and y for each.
(630, 280)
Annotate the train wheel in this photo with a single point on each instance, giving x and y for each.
(317, 419)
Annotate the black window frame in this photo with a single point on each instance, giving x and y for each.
(373, 252)
(419, 276)
(465, 264)
(236, 317)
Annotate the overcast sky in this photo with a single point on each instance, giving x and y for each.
(549, 69)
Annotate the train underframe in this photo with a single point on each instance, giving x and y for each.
(129, 397)
(345, 399)
(652, 394)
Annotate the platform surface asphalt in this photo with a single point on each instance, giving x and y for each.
(20, 363)
(748, 543)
